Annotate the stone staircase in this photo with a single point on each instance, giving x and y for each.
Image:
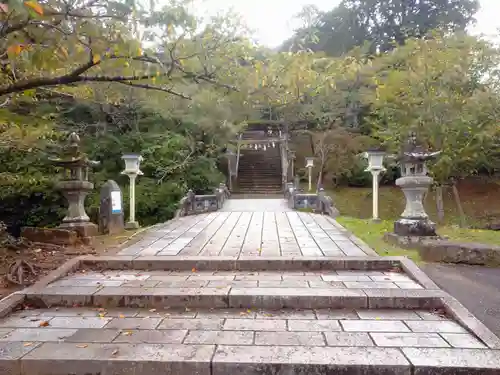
(259, 172)
(248, 316)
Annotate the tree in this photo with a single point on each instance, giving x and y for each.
(61, 43)
(383, 24)
(445, 89)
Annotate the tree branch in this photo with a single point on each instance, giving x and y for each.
(158, 88)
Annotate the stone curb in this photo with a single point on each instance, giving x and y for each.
(248, 263)
(458, 312)
(412, 270)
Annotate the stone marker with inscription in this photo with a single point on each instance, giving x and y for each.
(111, 209)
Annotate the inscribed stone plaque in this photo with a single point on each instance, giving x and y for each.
(111, 209)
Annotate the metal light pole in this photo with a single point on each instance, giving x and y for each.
(375, 167)
(132, 164)
(309, 166)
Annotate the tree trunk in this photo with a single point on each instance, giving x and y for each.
(463, 220)
(439, 203)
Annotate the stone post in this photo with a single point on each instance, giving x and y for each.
(111, 209)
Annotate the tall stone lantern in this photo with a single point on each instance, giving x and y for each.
(75, 186)
(414, 182)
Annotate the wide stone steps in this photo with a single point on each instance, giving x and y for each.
(246, 315)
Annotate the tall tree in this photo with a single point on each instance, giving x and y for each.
(382, 24)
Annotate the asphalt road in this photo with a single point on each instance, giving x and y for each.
(477, 288)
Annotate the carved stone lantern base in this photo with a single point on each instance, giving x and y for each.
(86, 230)
(414, 227)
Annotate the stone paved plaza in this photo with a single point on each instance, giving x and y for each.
(248, 234)
(253, 289)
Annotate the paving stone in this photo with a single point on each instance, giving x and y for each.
(348, 339)
(167, 313)
(78, 322)
(286, 314)
(226, 313)
(122, 313)
(426, 340)
(408, 285)
(313, 325)
(401, 277)
(260, 360)
(439, 326)
(389, 314)
(24, 322)
(10, 352)
(37, 334)
(151, 336)
(134, 323)
(374, 326)
(140, 284)
(93, 335)
(326, 284)
(453, 361)
(283, 284)
(338, 314)
(463, 340)
(346, 278)
(429, 315)
(184, 284)
(151, 359)
(370, 285)
(192, 324)
(289, 338)
(220, 337)
(275, 277)
(210, 277)
(5, 331)
(255, 325)
(234, 284)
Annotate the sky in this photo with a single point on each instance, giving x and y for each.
(273, 20)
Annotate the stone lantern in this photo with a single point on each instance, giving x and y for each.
(132, 170)
(414, 182)
(75, 186)
(309, 166)
(375, 167)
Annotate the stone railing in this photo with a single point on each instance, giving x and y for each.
(192, 204)
(318, 202)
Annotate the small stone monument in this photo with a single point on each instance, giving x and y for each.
(414, 182)
(75, 186)
(111, 209)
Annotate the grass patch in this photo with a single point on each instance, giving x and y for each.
(372, 233)
(470, 235)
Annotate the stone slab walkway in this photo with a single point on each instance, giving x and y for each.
(218, 342)
(244, 233)
(255, 289)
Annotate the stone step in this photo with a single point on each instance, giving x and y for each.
(272, 289)
(240, 341)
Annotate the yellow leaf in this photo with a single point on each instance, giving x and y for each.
(27, 344)
(64, 52)
(15, 49)
(82, 346)
(139, 51)
(35, 6)
(96, 59)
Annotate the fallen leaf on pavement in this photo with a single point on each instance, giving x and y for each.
(27, 344)
(44, 324)
(82, 346)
